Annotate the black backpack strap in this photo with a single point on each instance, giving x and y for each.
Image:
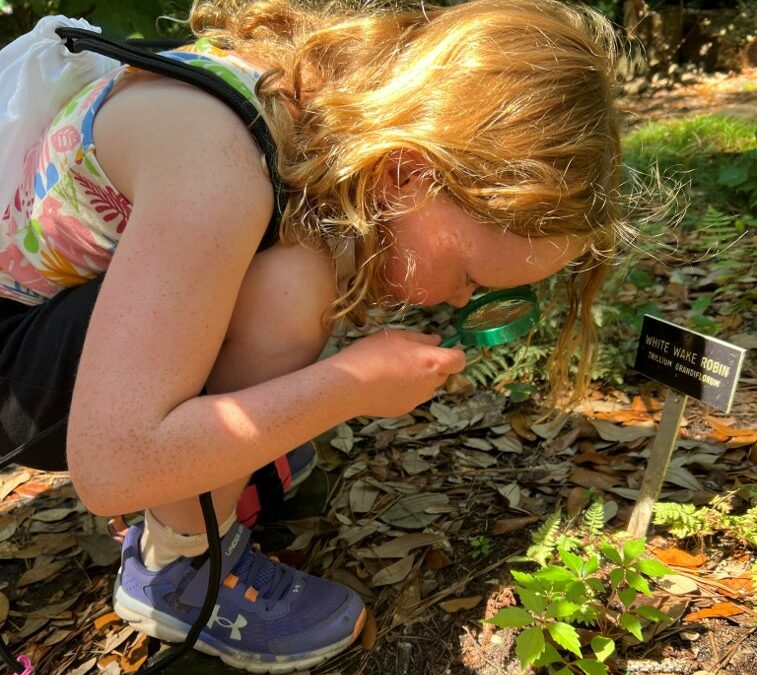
(138, 55)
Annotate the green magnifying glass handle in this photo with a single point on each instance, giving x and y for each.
(450, 341)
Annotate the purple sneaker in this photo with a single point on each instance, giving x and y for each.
(268, 618)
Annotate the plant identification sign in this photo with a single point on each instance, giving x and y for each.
(691, 363)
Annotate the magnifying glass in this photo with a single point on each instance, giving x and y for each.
(495, 318)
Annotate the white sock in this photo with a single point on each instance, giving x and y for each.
(160, 545)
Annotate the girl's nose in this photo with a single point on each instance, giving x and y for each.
(463, 298)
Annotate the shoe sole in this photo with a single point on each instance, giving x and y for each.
(164, 627)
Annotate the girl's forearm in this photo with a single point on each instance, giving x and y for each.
(210, 441)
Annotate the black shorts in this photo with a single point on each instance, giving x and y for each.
(40, 348)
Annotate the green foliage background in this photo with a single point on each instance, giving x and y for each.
(117, 18)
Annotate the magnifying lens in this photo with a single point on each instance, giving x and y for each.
(495, 318)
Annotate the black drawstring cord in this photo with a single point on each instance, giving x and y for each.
(214, 582)
(15, 665)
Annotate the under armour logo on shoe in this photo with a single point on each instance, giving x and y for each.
(241, 622)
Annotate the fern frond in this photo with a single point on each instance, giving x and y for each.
(681, 519)
(594, 519)
(546, 533)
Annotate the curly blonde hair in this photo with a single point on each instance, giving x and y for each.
(510, 101)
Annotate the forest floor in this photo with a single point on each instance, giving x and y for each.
(419, 515)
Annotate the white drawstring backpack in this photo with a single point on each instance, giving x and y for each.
(38, 75)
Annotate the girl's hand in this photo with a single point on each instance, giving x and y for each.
(398, 370)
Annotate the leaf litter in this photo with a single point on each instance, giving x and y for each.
(421, 512)
(398, 528)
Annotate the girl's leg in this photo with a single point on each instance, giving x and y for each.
(266, 615)
(268, 337)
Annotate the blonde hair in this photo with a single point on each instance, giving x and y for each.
(509, 102)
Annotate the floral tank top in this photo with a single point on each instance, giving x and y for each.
(66, 219)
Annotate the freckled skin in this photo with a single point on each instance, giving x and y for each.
(182, 308)
(455, 254)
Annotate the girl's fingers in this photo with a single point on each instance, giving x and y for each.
(453, 360)
(424, 338)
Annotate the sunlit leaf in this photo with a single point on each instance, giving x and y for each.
(529, 646)
(633, 549)
(652, 567)
(511, 617)
(603, 647)
(632, 625)
(566, 636)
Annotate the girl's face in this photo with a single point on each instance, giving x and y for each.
(442, 254)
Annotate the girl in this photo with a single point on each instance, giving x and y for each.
(422, 155)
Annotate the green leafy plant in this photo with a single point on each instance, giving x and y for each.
(480, 546)
(598, 588)
(716, 518)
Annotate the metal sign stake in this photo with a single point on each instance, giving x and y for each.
(657, 465)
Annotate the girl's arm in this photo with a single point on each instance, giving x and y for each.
(139, 435)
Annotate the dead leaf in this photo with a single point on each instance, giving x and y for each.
(7, 527)
(362, 496)
(479, 460)
(401, 546)
(411, 512)
(413, 463)
(436, 560)
(56, 637)
(510, 493)
(4, 607)
(9, 484)
(677, 584)
(646, 404)
(40, 573)
(451, 606)
(394, 573)
(55, 542)
(505, 525)
(344, 439)
(578, 499)
(679, 558)
(30, 627)
(57, 610)
(117, 638)
(32, 489)
(719, 610)
(611, 432)
(370, 631)
(459, 384)
(347, 578)
(445, 415)
(108, 664)
(682, 477)
(135, 655)
(521, 425)
(106, 621)
(84, 668)
(52, 515)
(507, 443)
(738, 586)
(727, 430)
(101, 548)
(407, 602)
(587, 478)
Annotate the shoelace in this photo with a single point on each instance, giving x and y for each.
(270, 579)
